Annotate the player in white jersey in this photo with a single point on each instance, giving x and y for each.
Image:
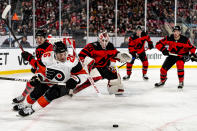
(55, 67)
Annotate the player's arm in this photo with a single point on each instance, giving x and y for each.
(131, 46)
(150, 43)
(191, 47)
(86, 51)
(161, 46)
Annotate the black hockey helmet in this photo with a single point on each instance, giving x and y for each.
(41, 33)
(59, 47)
(177, 28)
(138, 27)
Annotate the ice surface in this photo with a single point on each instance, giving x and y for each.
(143, 107)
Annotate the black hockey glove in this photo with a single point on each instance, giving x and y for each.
(165, 52)
(26, 56)
(134, 54)
(33, 70)
(36, 80)
(150, 45)
(193, 57)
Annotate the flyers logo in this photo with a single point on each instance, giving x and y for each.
(52, 73)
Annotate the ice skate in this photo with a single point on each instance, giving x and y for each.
(160, 84)
(19, 107)
(18, 99)
(145, 77)
(126, 77)
(180, 86)
(26, 111)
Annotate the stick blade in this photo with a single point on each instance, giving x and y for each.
(6, 10)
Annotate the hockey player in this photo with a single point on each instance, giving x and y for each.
(43, 46)
(57, 67)
(102, 52)
(180, 45)
(136, 49)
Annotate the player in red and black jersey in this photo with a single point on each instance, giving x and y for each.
(177, 44)
(136, 49)
(43, 46)
(102, 52)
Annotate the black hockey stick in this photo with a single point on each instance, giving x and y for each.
(27, 80)
(4, 17)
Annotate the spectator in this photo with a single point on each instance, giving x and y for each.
(25, 43)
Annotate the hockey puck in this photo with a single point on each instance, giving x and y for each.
(115, 125)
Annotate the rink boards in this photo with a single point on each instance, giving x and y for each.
(11, 61)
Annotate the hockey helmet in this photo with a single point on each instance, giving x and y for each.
(138, 27)
(177, 28)
(41, 33)
(103, 39)
(59, 47)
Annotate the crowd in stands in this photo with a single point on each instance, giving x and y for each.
(101, 16)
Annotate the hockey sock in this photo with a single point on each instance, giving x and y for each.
(145, 67)
(163, 74)
(42, 101)
(30, 100)
(129, 68)
(28, 89)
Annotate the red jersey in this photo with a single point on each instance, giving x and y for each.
(41, 49)
(101, 56)
(181, 46)
(136, 43)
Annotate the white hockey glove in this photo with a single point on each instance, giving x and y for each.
(124, 57)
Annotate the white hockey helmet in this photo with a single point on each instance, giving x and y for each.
(103, 39)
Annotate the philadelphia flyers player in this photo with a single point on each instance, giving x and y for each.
(56, 67)
(136, 49)
(43, 46)
(177, 44)
(102, 53)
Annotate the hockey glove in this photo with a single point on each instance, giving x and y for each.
(33, 70)
(35, 80)
(193, 57)
(165, 52)
(26, 56)
(150, 46)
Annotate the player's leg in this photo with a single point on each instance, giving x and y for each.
(180, 71)
(27, 90)
(56, 91)
(129, 70)
(144, 61)
(38, 91)
(168, 63)
(114, 81)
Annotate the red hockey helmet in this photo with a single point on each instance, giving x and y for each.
(103, 39)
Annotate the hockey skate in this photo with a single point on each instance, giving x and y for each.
(126, 77)
(145, 77)
(180, 86)
(26, 111)
(19, 107)
(18, 99)
(160, 83)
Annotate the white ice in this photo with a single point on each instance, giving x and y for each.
(143, 107)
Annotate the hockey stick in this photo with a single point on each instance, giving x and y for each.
(4, 17)
(132, 59)
(27, 80)
(185, 57)
(89, 77)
